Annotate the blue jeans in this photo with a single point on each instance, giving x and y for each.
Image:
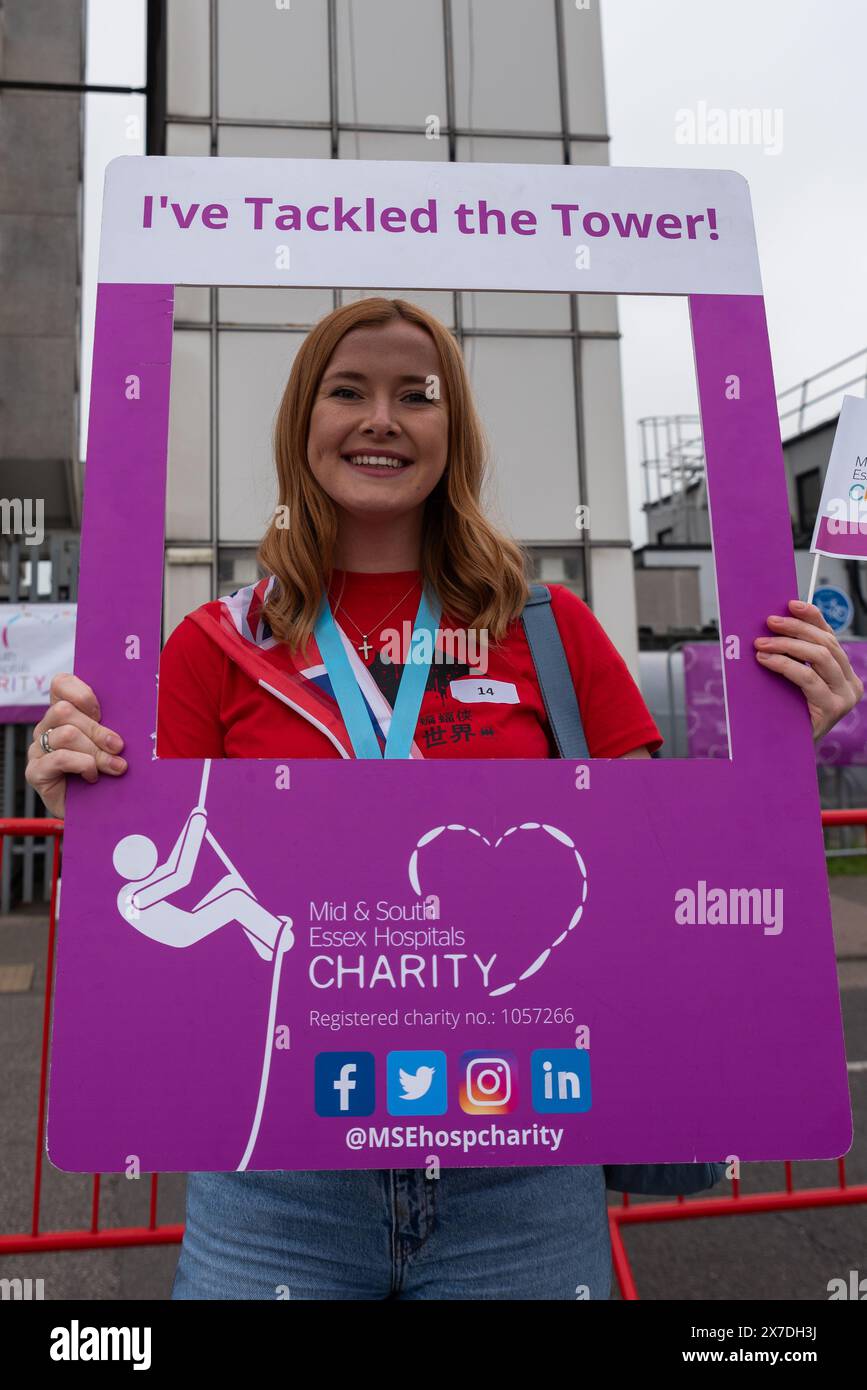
(472, 1233)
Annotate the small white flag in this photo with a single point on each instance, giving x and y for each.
(841, 521)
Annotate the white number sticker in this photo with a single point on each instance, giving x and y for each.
(484, 691)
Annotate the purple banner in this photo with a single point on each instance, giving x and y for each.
(36, 640)
(844, 746)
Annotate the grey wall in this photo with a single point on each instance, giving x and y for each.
(40, 162)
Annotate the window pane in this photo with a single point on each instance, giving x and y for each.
(182, 139)
(505, 61)
(589, 151)
(503, 309)
(560, 565)
(237, 569)
(526, 399)
(604, 439)
(186, 587)
(291, 308)
(254, 368)
(273, 63)
(187, 499)
(274, 142)
(440, 303)
(115, 42)
(391, 64)
(192, 304)
(188, 80)
(808, 487)
(372, 144)
(477, 149)
(584, 72)
(597, 313)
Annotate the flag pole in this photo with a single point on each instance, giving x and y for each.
(813, 576)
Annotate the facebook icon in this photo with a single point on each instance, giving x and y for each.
(561, 1080)
(345, 1083)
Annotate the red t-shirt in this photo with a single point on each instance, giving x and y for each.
(209, 708)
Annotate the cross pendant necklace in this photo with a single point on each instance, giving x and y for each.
(364, 646)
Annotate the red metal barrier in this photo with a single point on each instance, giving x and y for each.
(94, 1237)
(619, 1216)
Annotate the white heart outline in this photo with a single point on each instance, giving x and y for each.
(552, 830)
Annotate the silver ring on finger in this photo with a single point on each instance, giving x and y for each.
(43, 739)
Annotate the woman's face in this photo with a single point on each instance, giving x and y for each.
(377, 444)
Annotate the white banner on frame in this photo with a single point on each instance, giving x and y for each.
(227, 221)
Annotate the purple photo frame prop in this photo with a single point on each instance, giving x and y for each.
(706, 1039)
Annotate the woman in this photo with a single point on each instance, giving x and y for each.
(380, 459)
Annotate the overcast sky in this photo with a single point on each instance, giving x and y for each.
(801, 62)
(805, 59)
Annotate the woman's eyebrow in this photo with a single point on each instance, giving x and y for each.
(361, 376)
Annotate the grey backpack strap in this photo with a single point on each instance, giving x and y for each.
(555, 678)
(558, 692)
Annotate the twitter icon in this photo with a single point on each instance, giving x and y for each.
(416, 1083)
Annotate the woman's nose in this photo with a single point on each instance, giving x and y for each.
(380, 415)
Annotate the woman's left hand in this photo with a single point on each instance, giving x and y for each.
(830, 686)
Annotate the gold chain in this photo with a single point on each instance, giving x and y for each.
(364, 643)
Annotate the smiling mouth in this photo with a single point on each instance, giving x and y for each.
(378, 465)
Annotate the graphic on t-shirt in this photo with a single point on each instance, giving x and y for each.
(144, 902)
(387, 675)
(447, 725)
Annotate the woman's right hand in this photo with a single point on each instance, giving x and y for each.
(79, 743)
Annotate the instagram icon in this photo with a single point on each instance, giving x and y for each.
(489, 1083)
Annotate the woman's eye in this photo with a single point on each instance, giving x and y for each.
(419, 395)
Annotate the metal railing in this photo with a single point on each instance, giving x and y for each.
(44, 573)
(672, 448)
(802, 390)
(751, 1204)
(94, 1236)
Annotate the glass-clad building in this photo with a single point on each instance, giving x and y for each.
(468, 80)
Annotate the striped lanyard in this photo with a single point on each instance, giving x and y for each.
(410, 694)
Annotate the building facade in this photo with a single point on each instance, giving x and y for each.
(495, 81)
(41, 62)
(42, 57)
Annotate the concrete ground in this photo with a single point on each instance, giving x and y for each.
(788, 1256)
